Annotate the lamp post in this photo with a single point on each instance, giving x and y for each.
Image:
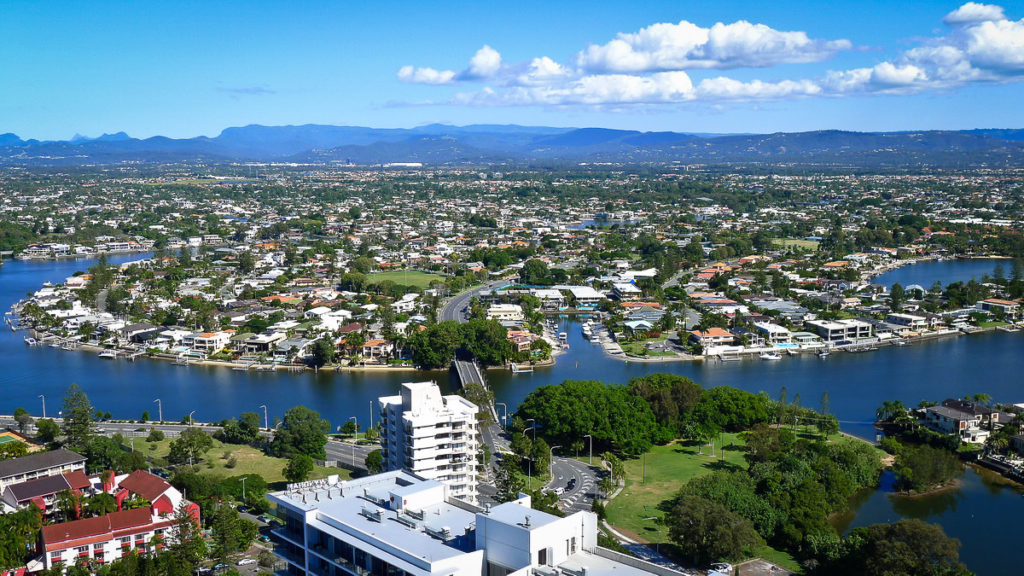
(266, 421)
(190, 417)
(160, 410)
(591, 442)
(504, 413)
(43, 398)
(529, 467)
(551, 460)
(371, 415)
(533, 426)
(243, 489)
(355, 435)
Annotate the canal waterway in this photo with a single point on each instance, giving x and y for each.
(946, 272)
(856, 383)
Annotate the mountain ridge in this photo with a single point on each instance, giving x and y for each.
(443, 144)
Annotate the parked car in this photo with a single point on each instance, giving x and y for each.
(219, 567)
(246, 561)
(723, 567)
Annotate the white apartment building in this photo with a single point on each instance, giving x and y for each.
(432, 436)
(396, 524)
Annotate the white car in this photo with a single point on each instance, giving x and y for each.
(246, 561)
(722, 567)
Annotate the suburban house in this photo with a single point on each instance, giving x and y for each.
(712, 337)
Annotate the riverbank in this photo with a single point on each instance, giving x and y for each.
(234, 365)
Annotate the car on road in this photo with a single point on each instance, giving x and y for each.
(723, 567)
(219, 567)
(246, 561)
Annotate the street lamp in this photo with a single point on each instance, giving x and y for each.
(266, 421)
(160, 410)
(504, 413)
(355, 435)
(533, 426)
(591, 442)
(243, 489)
(190, 417)
(657, 522)
(43, 397)
(529, 467)
(551, 459)
(371, 415)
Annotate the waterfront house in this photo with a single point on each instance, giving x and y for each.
(949, 420)
(376, 349)
(262, 343)
(774, 333)
(1008, 308)
(207, 342)
(837, 330)
(712, 337)
(505, 313)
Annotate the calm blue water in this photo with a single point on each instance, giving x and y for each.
(857, 384)
(926, 273)
(980, 512)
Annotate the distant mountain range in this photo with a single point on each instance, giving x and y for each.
(438, 144)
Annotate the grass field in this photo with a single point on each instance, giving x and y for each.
(811, 245)
(668, 468)
(248, 461)
(405, 278)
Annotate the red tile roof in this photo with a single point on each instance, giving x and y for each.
(57, 534)
(145, 484)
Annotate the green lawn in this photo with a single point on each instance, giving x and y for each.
(793, 242)
(249, 460)
(405, 278)
(668, 468)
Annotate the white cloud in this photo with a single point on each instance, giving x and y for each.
(972, 13)
(543, 70)
(594, 90)
(682, 46)
(484, 64)
(722, 88)
(649, 67)
(416, 75)
(997, 45)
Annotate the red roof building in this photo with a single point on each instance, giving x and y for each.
(107, 538)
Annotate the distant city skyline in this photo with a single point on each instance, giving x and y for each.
(184, 69)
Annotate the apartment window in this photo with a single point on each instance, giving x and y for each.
(54, 556)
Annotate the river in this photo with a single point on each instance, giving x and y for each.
(856, 383)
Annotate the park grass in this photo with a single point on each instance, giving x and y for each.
(811, 245)
(668, 468)
(405, 278)
(249, 461)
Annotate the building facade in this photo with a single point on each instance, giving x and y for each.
(432, 436)
(396, 524)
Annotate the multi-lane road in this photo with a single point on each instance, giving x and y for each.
(456, 309)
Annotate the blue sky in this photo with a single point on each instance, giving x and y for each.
(183, 69)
